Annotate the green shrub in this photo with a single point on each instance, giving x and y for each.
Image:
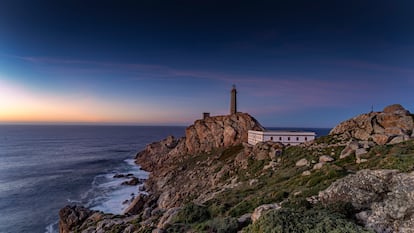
(220, 225)
(309, 221)
(241, 208)
(192, 213)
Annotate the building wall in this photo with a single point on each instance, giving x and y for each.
(286, 138)
(254, 137)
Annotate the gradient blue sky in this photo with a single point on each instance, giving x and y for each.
(295, 63)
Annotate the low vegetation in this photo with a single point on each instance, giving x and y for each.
(285, 183)
(310, 221)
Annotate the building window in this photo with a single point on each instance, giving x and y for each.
(306, 138)
(288, 138)
(297, 138)
(271, 138)
(280, 138)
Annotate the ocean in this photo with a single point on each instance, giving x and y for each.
(44, 168)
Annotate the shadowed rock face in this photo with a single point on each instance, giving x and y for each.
(393, 125)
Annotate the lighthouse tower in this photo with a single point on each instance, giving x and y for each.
(233, 101)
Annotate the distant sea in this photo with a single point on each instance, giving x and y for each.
(44, 168)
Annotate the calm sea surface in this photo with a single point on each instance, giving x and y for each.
(44, 168)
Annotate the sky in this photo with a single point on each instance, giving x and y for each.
(296, 63)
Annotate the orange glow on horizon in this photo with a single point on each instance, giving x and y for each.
(18, 104)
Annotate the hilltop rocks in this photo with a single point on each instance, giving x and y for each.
(384, 199)
(203, 136)
(393, 125)
(219, 131)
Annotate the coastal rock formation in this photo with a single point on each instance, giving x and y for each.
(72, 216)
(393, 125)
(219, 131)
(203, 136)
(384, 199)
(212, 178)
(171, 183)
(82, 220)
(157, 153)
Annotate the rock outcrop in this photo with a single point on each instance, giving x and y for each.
(72, 216)
(156, 154)
(267, 150)
(261, 210)
(203, 136)
(393, 125)
(219, 131)
(82, 220)
(384, 199)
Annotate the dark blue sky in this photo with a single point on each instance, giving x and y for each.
(295, 63)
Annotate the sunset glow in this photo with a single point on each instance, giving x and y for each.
(88, 65)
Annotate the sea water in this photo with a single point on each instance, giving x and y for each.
(44, 168)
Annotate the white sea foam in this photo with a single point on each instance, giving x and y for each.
(52, 228)
(113, 197)
(74, 201)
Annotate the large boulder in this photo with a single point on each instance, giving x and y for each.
(381, 127)
(383, 199)
(261, 210)
(137, 205)
(267, 150)
(219, 131)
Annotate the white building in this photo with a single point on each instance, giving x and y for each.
(284, 137)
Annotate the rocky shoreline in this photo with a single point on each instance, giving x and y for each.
(212, 181)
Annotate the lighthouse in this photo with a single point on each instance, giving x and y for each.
(233, 101)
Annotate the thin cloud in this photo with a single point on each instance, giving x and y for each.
(140, 71)
(359, 64)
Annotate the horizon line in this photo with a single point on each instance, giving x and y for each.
(130, 125)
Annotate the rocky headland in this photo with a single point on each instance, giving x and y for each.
(359, 178)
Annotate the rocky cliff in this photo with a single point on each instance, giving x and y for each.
(393, 125)
(211, 181)
(203, 136)
(220, 131)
